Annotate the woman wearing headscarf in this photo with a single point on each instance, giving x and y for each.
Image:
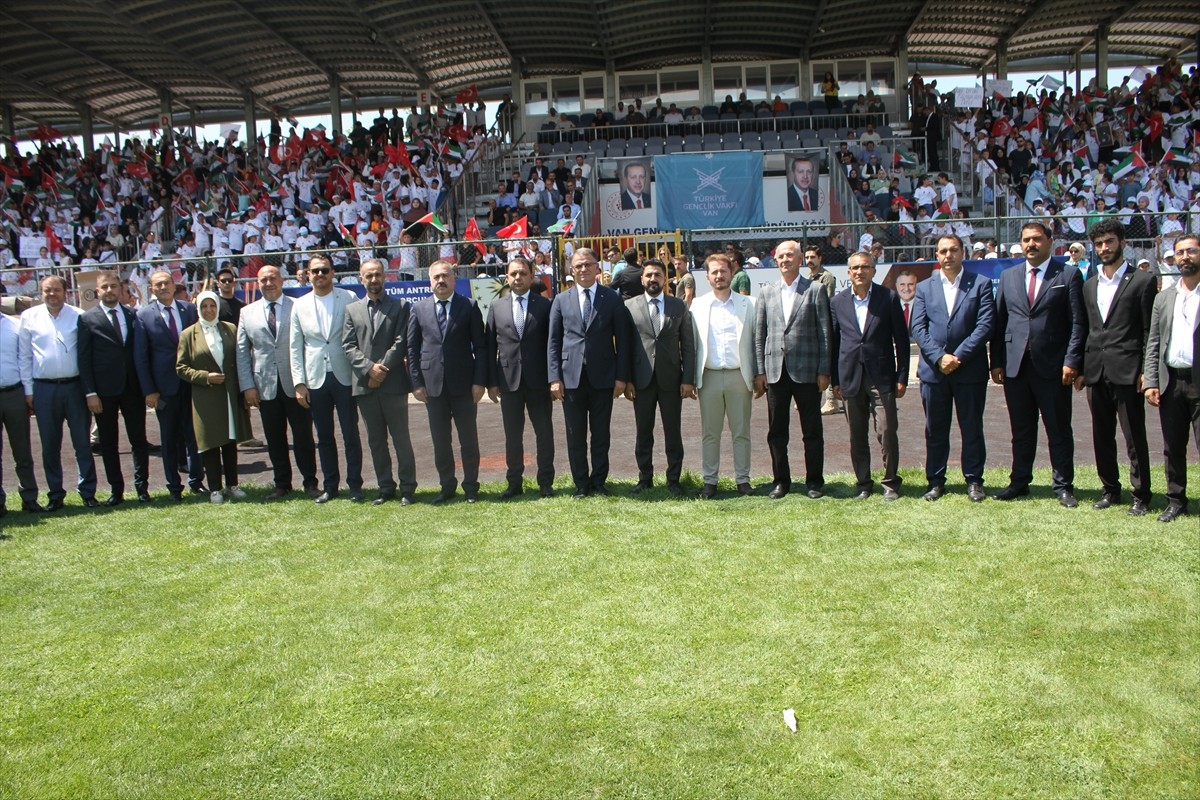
(207, 360)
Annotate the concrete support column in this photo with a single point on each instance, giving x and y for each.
(1002, 62)
(251, 137)
(706, 79)
(903, 74)
(335, 106)
(518, 118)
(610, 85)
(1102, 57)
(85, 130)
(192, 122)
(10, 130)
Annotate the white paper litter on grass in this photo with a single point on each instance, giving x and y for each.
(789, 719)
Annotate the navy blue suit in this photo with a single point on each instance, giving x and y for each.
(446, 367)
(1031, 344)
(867, 366)
(964, 334)
(155, 356)
(588, 360)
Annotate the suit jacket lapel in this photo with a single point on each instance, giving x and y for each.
(1126, 279)
(965, 284)
(1052, 272)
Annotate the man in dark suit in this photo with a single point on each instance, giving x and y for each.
(1037, 352)
(588, 367)
(792, 355)
(264, 366)
(518, 330)
(1172, 370)
(870, 370)
(108, 334)
(635, 189)
(664, 366)
(1118, 299)
(448, 368)
(155, 357)
(951, 319)
(802, 186)
(376, 340)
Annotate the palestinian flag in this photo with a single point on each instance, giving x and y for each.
(943, 211)
(431, 219)
(295, 123)
(345, 233)
(563, 226)
(1081, 156)
(1133, 161)
(519, 229)
(1175, 156)
(1034, 124)
(903, 158)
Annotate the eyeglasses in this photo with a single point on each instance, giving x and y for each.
(1188, 251)
(319, 271)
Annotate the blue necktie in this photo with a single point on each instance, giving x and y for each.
(587, 307)
(442, 316)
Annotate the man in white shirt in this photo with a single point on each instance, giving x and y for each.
(14, 416)
(724, 344)
(48, 356)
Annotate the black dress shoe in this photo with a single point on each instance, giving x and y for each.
(325, 497)
(601, 490)
(1011, 492)
(356, 495)
(1066, 499)
(406, 500)
(675, 489)
(115, 500)
(33, 508)
(445, 495)
(934, 493)
(778, 491)
(641, 486)
(511, 492)
(472, 497)
(176, 495)
(708, 492)
(547, 491)
(1139, 508)
(279, 494)
(312, 492)
(581, 492)
(816, 494)
(1171, 513)
(975, 492)
(144, 497)
(198, 488)
(745, 489)
(58, 505)
(91, 502)
(863, 494)
(1107, 501)
(890, 494)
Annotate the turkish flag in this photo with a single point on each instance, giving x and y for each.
(468, 95)
(53, 243)
(519, 229)
(1002, 127)
(138, 170)
(472, 234)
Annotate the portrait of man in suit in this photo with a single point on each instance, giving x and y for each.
(518, 331)
(664, 366)
(107, 337)
(264, 366)
(635, 185)
(951, 320)
(792, 355)
(870, 370)
(588, 366)
(1037, 352)
(803, 194)
(448, 367)
(375, 337)
(1118, 299)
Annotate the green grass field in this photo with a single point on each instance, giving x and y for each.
(602, 648)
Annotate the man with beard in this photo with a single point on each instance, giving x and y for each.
(1172, 382)
(1118, 300)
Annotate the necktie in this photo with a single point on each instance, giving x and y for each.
(639, 202)
(442, 316)
(519, 317)
(1032, 286)
(655, 316)
(171, 326)
(116, 326)
(807, 207)
(272, 322)
(587, 307)
(372, 305)
(907, 321)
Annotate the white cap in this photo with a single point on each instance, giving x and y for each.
(979, 246)
(1168, 253)
(1016, 250)
(755, 260)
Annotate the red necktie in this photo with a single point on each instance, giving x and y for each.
(639, 202)
(907, 323)
(1032, 286)
(806, 206)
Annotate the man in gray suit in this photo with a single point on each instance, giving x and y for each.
(264, 366)
(792, 351)
(323, 376)
(1172, 370)
(376, 340)
(664, 364)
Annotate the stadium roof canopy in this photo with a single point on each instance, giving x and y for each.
(118, 57)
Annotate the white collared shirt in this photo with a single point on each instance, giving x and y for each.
(48, 345)
(860, 308)
(1041, 277)
(662, 308)
(1180, 354)
(121, 323)
(171, 310)
(1106, 290)
(10, 337)
(722, 336)
(787, 296)
(592, 290)
(950, 289)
